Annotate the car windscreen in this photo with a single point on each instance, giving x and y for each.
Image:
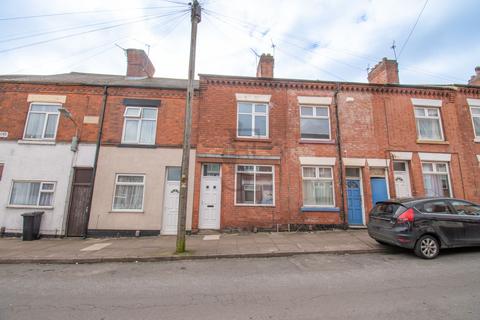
(387, 209)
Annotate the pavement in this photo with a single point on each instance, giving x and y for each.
(161, 248)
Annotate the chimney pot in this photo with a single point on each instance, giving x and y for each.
(139, 64)
(475, 80)
(386, 71)
(265, 66)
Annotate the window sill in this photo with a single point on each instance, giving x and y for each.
(320, 209)
(264, 140)
(136, 145)
(12, 206)
(126, 211)
(313, 141)
(432, 142)
(44, 142)
(254, 205)
(476, 140)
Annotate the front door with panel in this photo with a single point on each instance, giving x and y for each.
(354, 197)
(170, 201)
(210, 195)
(402, 179)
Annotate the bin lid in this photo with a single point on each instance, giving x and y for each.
(32, 214)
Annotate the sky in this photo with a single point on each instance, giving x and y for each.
(336, 40)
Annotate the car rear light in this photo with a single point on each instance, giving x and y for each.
(407, 216)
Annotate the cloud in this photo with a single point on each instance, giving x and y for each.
(327, 40)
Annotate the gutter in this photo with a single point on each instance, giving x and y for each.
(340, 156)
(95, 162)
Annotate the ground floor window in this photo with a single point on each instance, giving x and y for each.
(435, 179)
(32, 193)
(254, 185)
(129, 190)
(318, 186)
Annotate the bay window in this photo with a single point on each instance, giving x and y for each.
(436, 179)
(318, 186)
(254, 185)
(140, 125)
(42, 121)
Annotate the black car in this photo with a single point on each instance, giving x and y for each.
(426, 224)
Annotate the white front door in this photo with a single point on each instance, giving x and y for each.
(170, 199)
(402, 179)
(210, 193)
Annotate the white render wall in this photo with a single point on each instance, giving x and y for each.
(45, 163)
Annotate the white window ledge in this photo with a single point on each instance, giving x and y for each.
(426, 102)
(473, 102)
(424, 156)
(314, 100)
(253, 97)
(317, 161)
(47, 142)
(13, 206)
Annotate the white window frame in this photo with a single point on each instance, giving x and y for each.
(40, 191)
(316, 117)
(439, 118)
(253, 114)
(477, 138)
(254, 172)
(435, 172)
(129, 184)
(46, 118)
(318, 178)
(139, 128)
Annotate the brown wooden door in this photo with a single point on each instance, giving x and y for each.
(77, 214)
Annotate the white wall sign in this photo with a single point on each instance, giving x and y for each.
(3, 134)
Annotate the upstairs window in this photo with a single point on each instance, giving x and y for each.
(42, 121)
(314, 122)
(429, 125)
(475, 112)
(252, 120)
(140, 125)
(32, 194)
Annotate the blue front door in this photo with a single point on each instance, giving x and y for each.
(379, 189)
(354, 202)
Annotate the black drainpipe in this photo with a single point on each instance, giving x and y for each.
(340, 156)
(95, 162)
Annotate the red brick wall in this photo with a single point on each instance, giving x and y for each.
(170, 118)
(375, 120)
(80, 101)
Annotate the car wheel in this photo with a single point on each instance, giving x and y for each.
(427, 247)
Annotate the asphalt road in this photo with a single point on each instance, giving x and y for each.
(365, 286)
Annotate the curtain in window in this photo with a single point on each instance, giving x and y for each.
(46, 199)
(436, 185)
(245, 188)
(317, 192)
(429, 129)
(128, 197)
(25, 193)
(35, 124)
(476, 122)
(264, 189)
(147, 132)
(314, 128)
(51, 124)
(131, 129)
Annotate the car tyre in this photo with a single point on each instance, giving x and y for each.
(427, 247)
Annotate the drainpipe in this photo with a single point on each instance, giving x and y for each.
(95, 162)
(340, 156)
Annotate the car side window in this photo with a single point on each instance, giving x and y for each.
(466, 208)
(435, 207)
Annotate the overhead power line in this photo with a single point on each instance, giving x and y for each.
(413, 29)
(178, 5)
(90, 31)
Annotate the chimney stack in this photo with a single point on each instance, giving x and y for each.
(138, 64)
(265, 66)
(475, 80)
(386, 71)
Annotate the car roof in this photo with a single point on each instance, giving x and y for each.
(412, 201)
